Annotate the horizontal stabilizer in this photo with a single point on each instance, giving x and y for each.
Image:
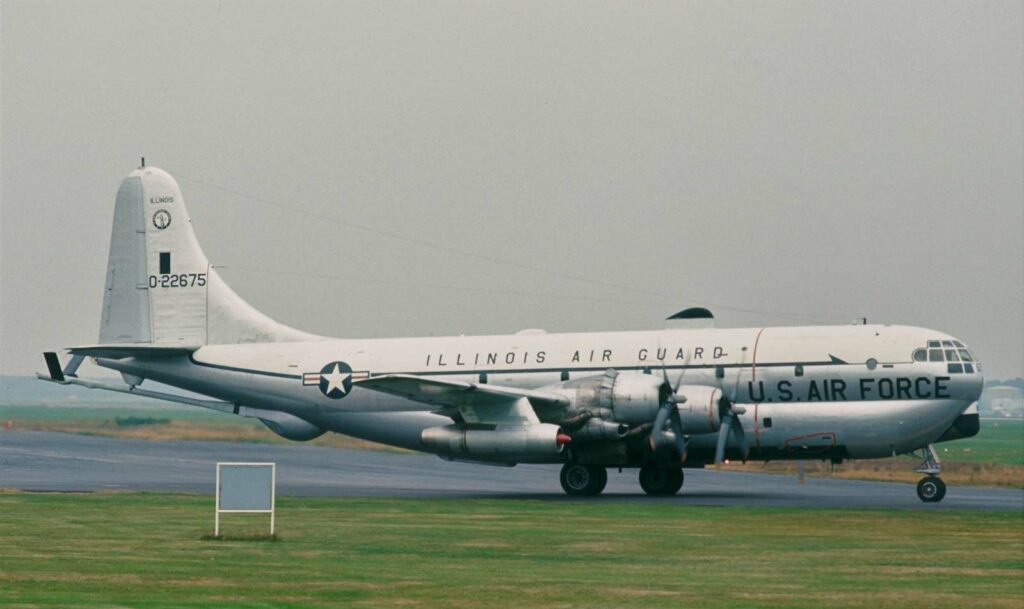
(218, 405)
(115, 351)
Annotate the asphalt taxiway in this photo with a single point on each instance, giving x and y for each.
(41, 461)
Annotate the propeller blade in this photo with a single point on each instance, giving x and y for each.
(658, 428)
(737, 429)
(679, 381)
(677, 429)
(723, 436)
(661, 417)
(671, 397)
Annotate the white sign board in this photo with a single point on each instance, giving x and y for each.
(245, 488)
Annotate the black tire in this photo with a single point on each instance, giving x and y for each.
(931, 489)
(660, 480)
(583, 480)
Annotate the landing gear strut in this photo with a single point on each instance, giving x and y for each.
(931, 488)
(663, 480)
(583, 480)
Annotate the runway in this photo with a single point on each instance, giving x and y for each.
(41, 461)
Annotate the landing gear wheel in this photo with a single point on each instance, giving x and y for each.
(583, 480)
(661, 480)
(931, 489)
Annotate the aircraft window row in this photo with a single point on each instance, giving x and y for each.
(957, 368)
(953, 352)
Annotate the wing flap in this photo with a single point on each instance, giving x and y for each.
(477, 402)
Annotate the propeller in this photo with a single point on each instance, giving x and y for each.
(730, 416)
(667, 430)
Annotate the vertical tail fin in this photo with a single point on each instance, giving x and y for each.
(160, 287)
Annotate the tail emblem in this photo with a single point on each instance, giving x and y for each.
(162, 219)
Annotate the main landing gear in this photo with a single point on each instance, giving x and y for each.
(931, 488)
(583, 480)
(589, 480)
(661, 480)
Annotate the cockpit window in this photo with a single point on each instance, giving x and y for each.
(954, 353)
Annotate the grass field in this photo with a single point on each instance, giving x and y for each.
(175, 423)
(999, 441)
(139, 550)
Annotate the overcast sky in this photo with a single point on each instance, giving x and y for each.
(788, 162)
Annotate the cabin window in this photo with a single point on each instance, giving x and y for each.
(720, 372)
(767, 422)
(965, 355)
(933, 344)
(872, 363)
(921, 355)
(483, 378)
(565, 375)
(935, 355)
(798, 370)
(955, 368)
(951, 355)
(968, 368)
(947, 343)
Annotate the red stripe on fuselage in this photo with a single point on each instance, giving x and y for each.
(753, 361)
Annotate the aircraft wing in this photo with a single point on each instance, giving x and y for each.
(476, 402)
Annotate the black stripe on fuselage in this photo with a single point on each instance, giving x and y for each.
(282, 375)
(653, 369)
(493, 371)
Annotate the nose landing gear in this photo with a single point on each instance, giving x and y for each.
(931, 488)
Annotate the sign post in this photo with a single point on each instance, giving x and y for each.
(245, 488)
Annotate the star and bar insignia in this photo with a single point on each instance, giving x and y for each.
(334, 379)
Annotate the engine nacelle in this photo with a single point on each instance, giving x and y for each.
(701, 412)
(291, 427)
(496, 442)
(599, 430)
(624, 397)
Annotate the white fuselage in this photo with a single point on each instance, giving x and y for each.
(810, 390)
